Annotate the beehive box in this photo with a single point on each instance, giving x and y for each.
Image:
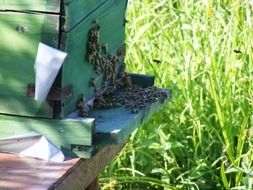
(92, 32)
(61, 24)
(84, 137)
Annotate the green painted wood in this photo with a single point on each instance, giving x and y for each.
(63, 133)
(84, 152)
(116, 125)
(75, 11)
(142, 80)
(20, 35)
(79, 16)
(76, 69)
(31, 5)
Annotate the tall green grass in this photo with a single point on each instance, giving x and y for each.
(203, 138)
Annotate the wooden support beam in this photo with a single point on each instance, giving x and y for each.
(94, 185)
(86, 170)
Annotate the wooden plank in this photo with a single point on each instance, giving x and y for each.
(115, 125)
(84, 151)
(23, 31)
(94, 185)
(13, 100)
(63, 133)
(75, 11)
(31, 174)
(20, 36)
(77, 70)
(84, 173)
(31, 5)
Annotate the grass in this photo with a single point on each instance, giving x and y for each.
(202, 139)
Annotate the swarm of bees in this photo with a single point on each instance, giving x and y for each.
(104, 64)
(118, 88)
(82, 107)
(133, 98)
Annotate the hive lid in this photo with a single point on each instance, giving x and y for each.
(52, 6)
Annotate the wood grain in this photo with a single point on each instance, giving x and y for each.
(20, 36)
(30, 174)
(86, 170)
(76, 11)
(31, 5)
(63, 133)
(77, 70)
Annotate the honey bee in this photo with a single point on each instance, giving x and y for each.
(117, 104)
(22, 28)
(109, 105)
(128, 81)
(100, 105)
(124, 101)
(83, 108)
(134, 111)
(96, 25)
(83, 112)
(157, 61)
(98, 61)
(135, 96)
(103, 103)
(92, 83)
(80, 102)
(90, 58)
(115, 59)
(146, 100)
(163, 96)
(141, 105)
(92, 48)
(237, 51)
(104, 48)
(152, 99)
(101, 99)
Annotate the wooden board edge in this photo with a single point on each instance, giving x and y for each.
(63, 133)
(86, 170)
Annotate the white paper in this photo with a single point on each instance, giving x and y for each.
(32, 145)
(47, 65)
(17, 143)
(43, 149)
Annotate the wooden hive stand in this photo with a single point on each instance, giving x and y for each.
(32, 174)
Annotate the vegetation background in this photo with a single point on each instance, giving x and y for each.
(203, 138)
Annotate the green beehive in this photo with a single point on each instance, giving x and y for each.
(62, 24)
(93, 101)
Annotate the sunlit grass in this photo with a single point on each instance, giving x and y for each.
(203, 138)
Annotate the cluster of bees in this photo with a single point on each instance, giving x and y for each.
(118, 88)
(83, 108)
(133, 98)
(104, 63)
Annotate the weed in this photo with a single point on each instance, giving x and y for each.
(202, 139)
